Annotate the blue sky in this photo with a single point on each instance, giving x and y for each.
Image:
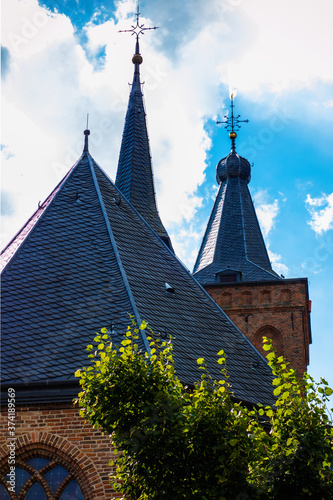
(64, 59)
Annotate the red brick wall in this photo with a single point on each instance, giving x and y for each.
(276, 309)
(58, 430)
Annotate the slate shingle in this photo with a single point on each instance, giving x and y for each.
(86, 265)
(134, 173)
(233, 238)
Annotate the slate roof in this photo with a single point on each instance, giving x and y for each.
(84, 261)
(233, 238)
(134, 174)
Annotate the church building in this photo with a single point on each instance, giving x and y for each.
(95, 252)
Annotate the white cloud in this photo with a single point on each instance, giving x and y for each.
(266, 212)
(329, 103)
(321, 211)
(186, 242)
(277, 265)
(289, 36)
(28, 29)
(233, 42)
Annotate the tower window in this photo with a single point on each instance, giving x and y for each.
(228, 276)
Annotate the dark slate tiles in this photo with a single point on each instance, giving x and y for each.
(196, 323)
(88, 262)
(134, 175)
(233, 238)
(61, 286)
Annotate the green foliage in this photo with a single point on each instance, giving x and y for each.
(198, 443)
(298, 459)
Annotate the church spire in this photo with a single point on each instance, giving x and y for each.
(233, 248)
(134, 174)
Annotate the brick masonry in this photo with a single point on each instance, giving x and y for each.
(59, 433)
(279, 310)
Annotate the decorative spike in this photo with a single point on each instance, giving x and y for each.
(232, 123)
(86, 135)
(137, 29)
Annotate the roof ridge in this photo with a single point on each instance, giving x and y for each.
(272, 272)
(48, 200)
(115, 249)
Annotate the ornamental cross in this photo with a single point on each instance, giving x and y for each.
(232, 122)
(137, 29)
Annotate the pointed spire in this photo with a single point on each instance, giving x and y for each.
(233, 245)
(134, 175)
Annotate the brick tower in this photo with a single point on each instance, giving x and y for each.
(234, 267)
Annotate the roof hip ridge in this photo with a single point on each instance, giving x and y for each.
(41, 206)
(115, 249)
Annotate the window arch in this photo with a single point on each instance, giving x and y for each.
(226, 299)
(246, 298)
(265, 297)
(286, 295)
(43, 473)
(271, 333)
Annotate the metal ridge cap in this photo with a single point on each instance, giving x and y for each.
(207, 230)
(115, 249)
(273, 273)
(137, 212)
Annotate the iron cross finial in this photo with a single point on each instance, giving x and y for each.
(232, 122)
(137, 29)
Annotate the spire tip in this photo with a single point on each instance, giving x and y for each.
(86, 134)
(232, 122)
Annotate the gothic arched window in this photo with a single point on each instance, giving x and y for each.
(42, 478)
(271, 333)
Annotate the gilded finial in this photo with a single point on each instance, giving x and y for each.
(232, 122)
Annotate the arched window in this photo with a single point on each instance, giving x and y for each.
(246, 298)
(42, 478)
(226, 299)
(271, 333)
(265, 297)
(286, 295)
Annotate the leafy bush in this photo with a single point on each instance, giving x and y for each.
(198, 442)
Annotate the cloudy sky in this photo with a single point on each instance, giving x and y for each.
(63, 59)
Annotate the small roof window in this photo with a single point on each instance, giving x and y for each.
(228, 276)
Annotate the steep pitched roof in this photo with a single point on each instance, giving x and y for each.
(233, 239)
(84, 261)
(135, 175)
